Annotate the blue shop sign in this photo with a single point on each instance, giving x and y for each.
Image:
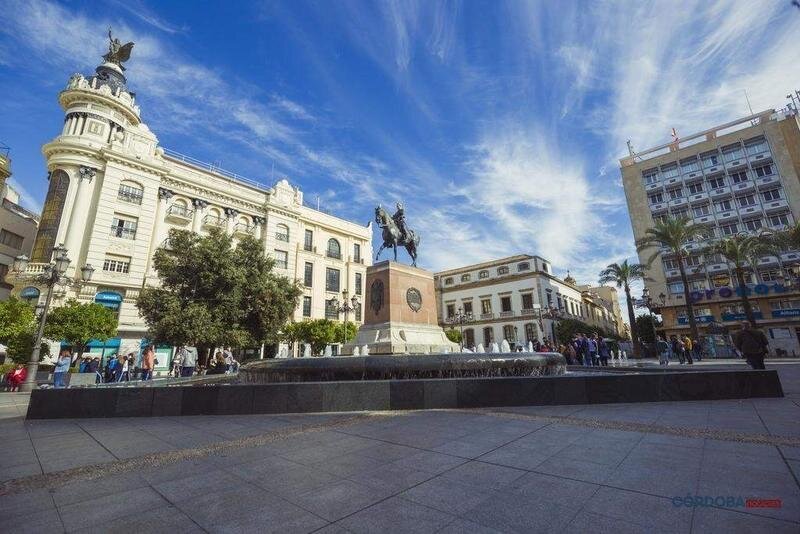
(791, 312)
(109, 299)
(741, 316)
(728, 292)
(698, 318)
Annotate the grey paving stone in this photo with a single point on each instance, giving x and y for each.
(397, 515)
(665, 480)
(166, 519)
(736, 522)
(652, 514)
(340, 499)
(36, 522)
(430, 462)
(347, 465)
(552, 488)
(101, 510)
(20, 504)
(19, 471)
(600, 524)
(188, 488)
(388, 452)
(790, 452)
(466, 448)
(291, 483)
(673, 441)
(483, 475)
(583, 470)
(516, 456)
(447, 495)
(391, 477)
(509, 512)
(462, 526)
(84, 490)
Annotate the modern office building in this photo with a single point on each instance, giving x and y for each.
(17, 226)
(738, 177)
(517, 298)
(114, 194)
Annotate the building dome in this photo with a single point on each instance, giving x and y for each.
(570, 280)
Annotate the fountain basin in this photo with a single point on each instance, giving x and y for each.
(404, 367)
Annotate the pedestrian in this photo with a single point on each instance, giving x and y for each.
(16, 377)
(697, 347)
(188, 356)
(752, 344)
(677, 349)
(603, 351)
(176, 364)
(663, 349)
(592, 347)
(111, 368)
(228, 354)
(94, 367)
(688, 348)
(124, 368)
(62, 368)
(148, 362)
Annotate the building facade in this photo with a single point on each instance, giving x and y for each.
(603, 309)
(510, 298)
(739, 177)
(17, 227)
(114, 194)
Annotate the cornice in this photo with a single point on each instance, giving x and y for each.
(133, 162)
(193, 190)
(69, 96)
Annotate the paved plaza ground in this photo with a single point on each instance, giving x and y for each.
(600, 468)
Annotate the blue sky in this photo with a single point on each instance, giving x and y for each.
(499, 124)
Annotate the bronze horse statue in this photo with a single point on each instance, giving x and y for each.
(395, 234)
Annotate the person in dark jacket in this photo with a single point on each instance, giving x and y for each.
(753, 344)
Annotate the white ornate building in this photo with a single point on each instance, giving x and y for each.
(114, 194)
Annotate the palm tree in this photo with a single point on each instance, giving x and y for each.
(742, 251)
(622, 274)
(670, 237)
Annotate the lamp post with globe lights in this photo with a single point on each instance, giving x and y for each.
(653, 306)
(345, 307)
(460, 318)
(53, 274)
(548, 312)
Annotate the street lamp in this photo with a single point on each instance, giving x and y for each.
(549, 312)
(652, 306)
(53, 274)
(460, 318)
(345, 307)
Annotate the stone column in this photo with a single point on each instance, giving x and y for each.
(231, 214)
(199, 212)
(76, 231)
(159, 227)
(258, 222)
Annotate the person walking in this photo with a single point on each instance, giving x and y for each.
(603, 351)
(663, 349)
(677, 349)
(16, 377)
(228, 354)
(148, 362)
(697, 347)
(752, 344)
(687, 348)
(62, 368)
(592, 347)
(188, 355)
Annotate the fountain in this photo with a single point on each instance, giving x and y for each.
(307, 350)
(328, 353)
(530, 346)
(480, 348)
(505, 347)
(365, 350)
(495, 348)
(355, 351)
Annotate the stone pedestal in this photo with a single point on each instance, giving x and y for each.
(400, 313)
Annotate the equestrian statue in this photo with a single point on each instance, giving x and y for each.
(396, 233)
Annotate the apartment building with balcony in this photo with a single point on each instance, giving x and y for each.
(114, 194)
(17, 225)
(738, 177)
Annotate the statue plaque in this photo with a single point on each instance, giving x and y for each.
(414, 299)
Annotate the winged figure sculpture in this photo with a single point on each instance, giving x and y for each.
(117, 52)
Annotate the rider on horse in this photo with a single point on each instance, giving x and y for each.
(399, 218)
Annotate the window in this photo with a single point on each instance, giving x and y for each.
(123, 228)
(116, 264)
(451, 310)
(756, 146)
(670, 265)
(525, 266)
(716, 183)
(281, 259)
(692, 261)
(465, 277)
(669, 171)
(467, 304)
(729, 229)
(650, 177)
(469, 337)
(3, 271)
(763, 170)
(682, 213)
(306, 306)
(11, 239)
(701, 211)
(508, 333)
(488, 336)
(746, 200)
(448, 281)
(660, 218)
(308, 241)
(753, 225)
(738, 177)
(779, 220)
(655, 198)
(695, 188)
(530, 332)
(51, 217)
(356, 252)
(784, 304)
(486, 306)
(675, 193)
(282, 233)
(505, 304)
(357, 312)
(771, 275)
(130, 192)
(502, 270)
(675, 288)
(332, 280)
(723, 205)
(334, 249)
(527, 301)
(483, 274)
(308, 274)
(698, 285)
(772, 194)
(331, 310)
(179, 208)
(732, 153)
(690, 165)
(710, 159)
(358, 283)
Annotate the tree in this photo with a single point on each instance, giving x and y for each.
(742, 251)
(319, 333)
(670, 237)
(567, 328)
(622, 275)
(453, 335)
(214, 294)
(17, 328)
(78, 324)
(646, 326)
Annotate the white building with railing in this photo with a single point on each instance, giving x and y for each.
(114, 194)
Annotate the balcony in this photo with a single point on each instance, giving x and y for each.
(692, 175)
(699, 198)
(703, 219)
(672, 274)
(658, 207)
(677, 202)
(335, 254)
(244, 229)
(506, 314)
(716, 267)
(489, 315)
(767, 182)
(776, 205)
(212, 221)
(736, 164)
(763, 157)
(750, 210)
(743, 186)
(179, 214)
(527, 311)
(721, 192)
(768, 260)
(652, 187)
(673, 180)
(788, 257)
(726, 215)
(308, 247)
(281, 236)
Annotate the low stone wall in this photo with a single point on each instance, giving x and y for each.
(307, 397)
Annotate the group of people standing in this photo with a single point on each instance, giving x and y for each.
(686, 349)
(587, 350)
(186, 362)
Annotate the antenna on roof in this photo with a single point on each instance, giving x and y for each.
(630, 149)
(747, 98)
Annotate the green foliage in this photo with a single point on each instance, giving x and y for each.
(646, 325)
(567, 328)
(318, 333)
(622, 275)
(77, 324)
(453, 335)
(18, 329)
(213, 293)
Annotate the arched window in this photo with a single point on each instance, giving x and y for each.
(502, 270)
(465, 277)
(334, 249)
(524, 266)
(530, 332)
(508, 333)
(483, 274)
(51, 217)
(488, 336)
(469, 338)
(448, 281)
(282, 233)
(130, 192)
